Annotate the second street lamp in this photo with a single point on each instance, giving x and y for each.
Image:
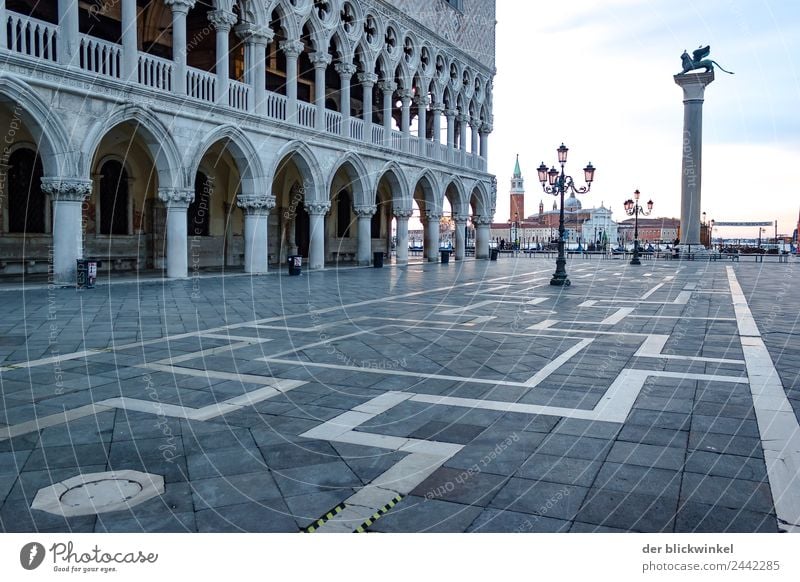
(633, 208)
(557, 183)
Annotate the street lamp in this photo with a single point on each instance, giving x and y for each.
(633, 208)
(557, 183)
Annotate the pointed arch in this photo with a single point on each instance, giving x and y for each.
(157, 138)
(244, 153)
(363, 189)
(307, 162)
(46, 129)
(480, 200)
(459, 202)
(426, 181)
(397, 178)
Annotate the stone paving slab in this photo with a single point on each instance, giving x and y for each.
(530, 428)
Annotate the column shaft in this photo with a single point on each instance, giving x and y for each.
(130, 41)
(223, 67)
(256, 258)
(69, 32)
(402, 237)
(481, 239)
(316, 252)
(177, 242)
(432, 238)
(461, 241)
(365, 235)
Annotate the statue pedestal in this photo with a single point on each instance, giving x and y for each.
(694, 86)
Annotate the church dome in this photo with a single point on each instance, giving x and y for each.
(572, 204)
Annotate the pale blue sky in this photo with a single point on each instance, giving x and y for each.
(598, 76)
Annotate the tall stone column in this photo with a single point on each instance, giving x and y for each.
(450, 114)
(256, 232)
(3, 29)
(464, 121)
(68, 197)
(320, 62)
(291, 49)
(432, 236)
(461, 240)
(365, 214)
(130, 41)
(406, 95)
(177, 201)
(388, 88)
(223, 21)
(368, 81)
(316, 252)
(485, 130)
(422, 121)
(346, 72)
(68, 32)
(694, 86)
(402, 215)
(180, 9)
(256, 39)
(475, 124)
(482, 226)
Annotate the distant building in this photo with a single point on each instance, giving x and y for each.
(650, 230)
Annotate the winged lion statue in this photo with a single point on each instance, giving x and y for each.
(699, 60)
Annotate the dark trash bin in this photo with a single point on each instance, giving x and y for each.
(295, 265)
(445, 257)
(493, 254)
(377, 260)
(87, 273)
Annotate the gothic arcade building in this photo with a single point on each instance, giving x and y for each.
(182, 134)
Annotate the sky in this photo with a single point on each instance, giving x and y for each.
(598, 76)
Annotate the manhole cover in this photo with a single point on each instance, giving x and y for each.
(98, 493)
(101, 494)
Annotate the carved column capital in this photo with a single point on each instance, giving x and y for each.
(292, 48)
(406, 95)
(433, 215)
(388, 86)
(423, 101)
(403, 213)
(255, 204)
(438, 107)
(482, 220)
(460, 221)
(320, 60)
(486, 128)
(67, 189)
(346, 70)
(463, 118)
(366, 211)
(451, 113)
(318, 208)
(254, 34)
(176, 197)
(368, 79)
(223, 20)
(182, 6)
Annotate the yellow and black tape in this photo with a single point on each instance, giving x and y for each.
(378, 514)
(327, 517)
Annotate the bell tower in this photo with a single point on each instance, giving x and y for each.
(517, 194)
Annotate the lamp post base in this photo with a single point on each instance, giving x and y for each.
(635, 260)
(560, 278)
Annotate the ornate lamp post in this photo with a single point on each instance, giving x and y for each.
(633, 208)
(557, 183)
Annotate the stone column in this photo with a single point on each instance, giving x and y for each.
(482, 226)
(694, 86)
(68, 40)
(222, 20)
(422, 121)
(368, 81)
(177, 201)
(346, 72)
(432, 236)
(402, 216)
(3, 28)
(320, 62)
(68, 196)
(316, 252)
(388, 88)
(451, 127)
(461, 241)
(256, 40)
(365, 214)
(292, 50)
(485, 130)
(475, 125)
(130, 41)
(256, 232)
(462, 142)
(406, 96)
(180, 8)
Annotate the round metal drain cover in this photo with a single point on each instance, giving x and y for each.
(101, 494)
(98, 493)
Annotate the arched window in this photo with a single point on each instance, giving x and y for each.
(113, 198)
(343, 218)
(199, 214)
(26, 201)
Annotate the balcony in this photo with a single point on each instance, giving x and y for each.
(37, 41)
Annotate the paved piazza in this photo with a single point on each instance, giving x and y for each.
(449, 398)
